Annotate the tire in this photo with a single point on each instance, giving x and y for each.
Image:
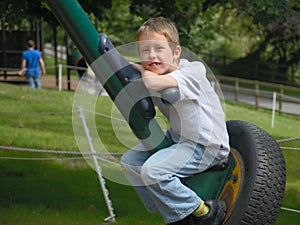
(264, 175)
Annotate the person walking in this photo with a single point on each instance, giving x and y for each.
(33, 65)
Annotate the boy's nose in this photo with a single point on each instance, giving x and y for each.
(152, 54)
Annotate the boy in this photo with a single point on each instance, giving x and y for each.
(197, 130)
(31, 63)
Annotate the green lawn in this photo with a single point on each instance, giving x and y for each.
(67, 191)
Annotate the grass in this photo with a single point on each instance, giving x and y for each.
(58, 192)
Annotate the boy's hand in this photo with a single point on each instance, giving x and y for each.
(137, 66)
(144, 73)
(153, 81)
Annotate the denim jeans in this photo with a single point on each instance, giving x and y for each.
(156, 177)
(34, 81)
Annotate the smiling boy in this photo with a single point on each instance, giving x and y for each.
(197, 131)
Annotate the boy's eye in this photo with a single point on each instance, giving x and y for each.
(159, 48)
(145, 50)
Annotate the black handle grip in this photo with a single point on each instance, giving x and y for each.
(170, 96)
(127, 74)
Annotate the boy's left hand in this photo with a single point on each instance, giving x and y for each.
(144, 73)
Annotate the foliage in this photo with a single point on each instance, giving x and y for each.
(261, 11)
(247, 30)
(275, 31)
(95, 7)
(277, 50)
(179, 11)
(119, 24)
(20, 14)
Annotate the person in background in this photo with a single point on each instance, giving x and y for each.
(32, 65)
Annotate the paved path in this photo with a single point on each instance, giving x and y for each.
(228, 92)
(247, 97)
(264, 102)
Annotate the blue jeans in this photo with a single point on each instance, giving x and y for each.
(34, 81)
(156, 177)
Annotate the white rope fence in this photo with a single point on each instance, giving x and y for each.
(289, 140)
(87, 154)
(59, 152)
(291, 210)
(96, 155)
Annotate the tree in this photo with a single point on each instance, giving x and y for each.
(182, 12)
(274, 30)
(264, 31)
(19, 14)
(279, 47)
(95, 7)
(262, 12)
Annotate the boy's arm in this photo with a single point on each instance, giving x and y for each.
(42, 66)
(23, 64)
(155, 82)
(23, 67)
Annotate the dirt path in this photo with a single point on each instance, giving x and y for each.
(48, 81)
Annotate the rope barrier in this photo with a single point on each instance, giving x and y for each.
(289, 140)
(104, 115)
(35, 113)
(290, 148)
(89, 154)
(41, 159)
(291, 210)
(46, 67)
(9, 148)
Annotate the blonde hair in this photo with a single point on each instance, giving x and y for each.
(161, 26)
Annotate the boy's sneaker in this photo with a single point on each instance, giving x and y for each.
(215, 216)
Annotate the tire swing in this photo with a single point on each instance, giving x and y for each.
(253, 182)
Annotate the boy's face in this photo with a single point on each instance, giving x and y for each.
(156, 53)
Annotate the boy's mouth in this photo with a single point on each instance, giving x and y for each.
(154, 64)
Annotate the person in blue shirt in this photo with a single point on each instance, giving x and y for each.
(33, 65)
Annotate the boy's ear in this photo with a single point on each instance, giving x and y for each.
(177, 52)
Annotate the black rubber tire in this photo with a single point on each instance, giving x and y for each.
(263, 186)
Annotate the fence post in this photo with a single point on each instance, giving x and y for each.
(60, 77)
(236, 90)
(273, 110)
(281, 97)
(256, 94)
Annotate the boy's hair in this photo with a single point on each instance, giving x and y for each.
(161, 26)
(30, 44)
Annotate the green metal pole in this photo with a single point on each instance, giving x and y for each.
(83, 33)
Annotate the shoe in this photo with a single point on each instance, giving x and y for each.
(186, 221)
(215, 216)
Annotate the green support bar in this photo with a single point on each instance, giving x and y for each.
(83, 33)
